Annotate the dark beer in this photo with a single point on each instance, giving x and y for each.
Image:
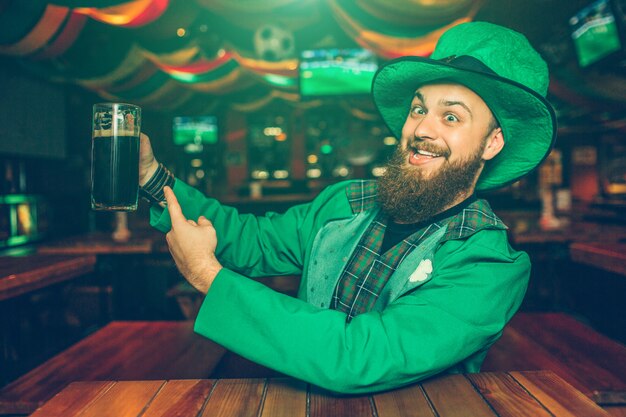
(115, 172)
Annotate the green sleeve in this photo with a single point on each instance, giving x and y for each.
(476, 287)
(255, 246)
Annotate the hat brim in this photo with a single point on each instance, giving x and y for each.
(527, 120)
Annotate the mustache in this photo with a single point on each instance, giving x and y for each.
(419, 145)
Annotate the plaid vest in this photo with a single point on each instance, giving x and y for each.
(367, 271)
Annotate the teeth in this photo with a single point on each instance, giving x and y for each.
(426, 153)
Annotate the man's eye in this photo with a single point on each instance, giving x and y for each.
(451, 118)
(418, 110)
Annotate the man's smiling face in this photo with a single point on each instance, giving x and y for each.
(447, 123)
(448, 135)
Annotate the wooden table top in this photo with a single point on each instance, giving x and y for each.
(610, 256)
(519, 394)
(22, 274)
(121, 350)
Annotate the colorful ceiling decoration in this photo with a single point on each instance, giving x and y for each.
(172, 55)
(194, 55)
(132, 14)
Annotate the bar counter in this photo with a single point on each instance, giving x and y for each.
(524, 230)
(608, 256)
(579, 225)
(22, 274)
(101, 243)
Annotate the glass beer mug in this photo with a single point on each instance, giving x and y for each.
(115, 156)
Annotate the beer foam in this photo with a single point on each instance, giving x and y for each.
(98, 133)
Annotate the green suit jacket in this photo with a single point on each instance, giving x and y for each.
(424, 323)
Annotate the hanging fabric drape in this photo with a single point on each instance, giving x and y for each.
(387, 39)
(174, 55)
(131, 14)
(49, 35)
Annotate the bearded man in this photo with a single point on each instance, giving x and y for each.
(402, 278)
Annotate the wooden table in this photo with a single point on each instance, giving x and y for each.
(22, 274)
(519, 394)
(129, 350)
(591, 362)
(609, 256)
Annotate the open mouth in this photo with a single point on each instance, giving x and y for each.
(421, 156)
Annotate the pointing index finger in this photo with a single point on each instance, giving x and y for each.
(176, 213)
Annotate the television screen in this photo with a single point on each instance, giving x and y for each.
(595, 33)
(195, 130)
(336, 71)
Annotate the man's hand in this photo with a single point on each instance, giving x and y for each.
(192, 246)
(147, 163)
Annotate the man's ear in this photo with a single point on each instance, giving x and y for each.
(495, 143)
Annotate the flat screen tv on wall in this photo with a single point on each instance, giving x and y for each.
(332, 72)
(595, 32)
(195, 130)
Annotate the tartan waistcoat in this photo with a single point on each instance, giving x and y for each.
(367, 271)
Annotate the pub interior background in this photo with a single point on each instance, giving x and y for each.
(236, 70)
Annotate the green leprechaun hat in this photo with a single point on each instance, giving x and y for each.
(500, 66)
